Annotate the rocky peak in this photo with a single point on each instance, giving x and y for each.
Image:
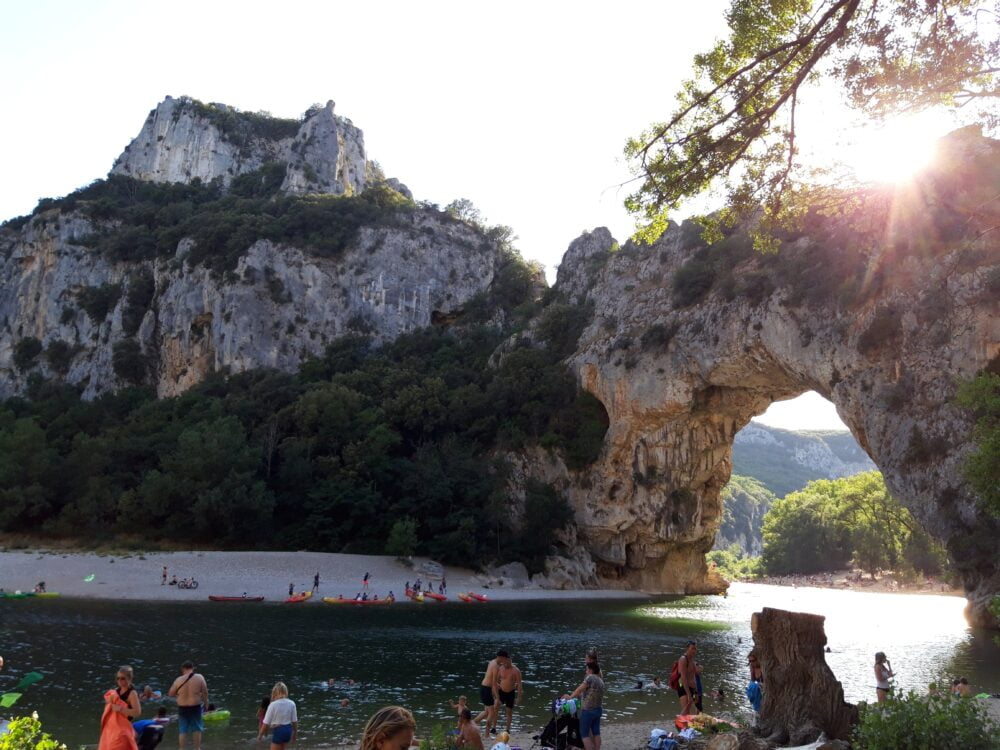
(184, 139)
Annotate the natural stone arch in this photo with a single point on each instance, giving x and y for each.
(881, 311)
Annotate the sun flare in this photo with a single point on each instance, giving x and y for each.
(892, 151)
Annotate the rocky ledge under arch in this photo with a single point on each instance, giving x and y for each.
(881, 306)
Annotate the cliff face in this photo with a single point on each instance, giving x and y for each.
(183, 140)
(687, 344)
(280, 305)
(171, 322)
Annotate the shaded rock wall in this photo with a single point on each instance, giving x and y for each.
(881, 310)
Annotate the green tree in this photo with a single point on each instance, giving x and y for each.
(734, 126)
(982, 396)
(402, 541)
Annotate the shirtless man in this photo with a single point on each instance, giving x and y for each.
(510, 687)
(191, 692)
(489, 690)
(468, 732)
(688, 691)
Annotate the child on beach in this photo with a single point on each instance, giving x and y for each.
(463, 703)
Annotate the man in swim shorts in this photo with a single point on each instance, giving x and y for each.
(509, 688)
(489, 691)
(191, 692)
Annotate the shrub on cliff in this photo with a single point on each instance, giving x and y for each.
(917, 722)
(982, 396)
(26, 351)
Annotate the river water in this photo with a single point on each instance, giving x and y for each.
(420, 656)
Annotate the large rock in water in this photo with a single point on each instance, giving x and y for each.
(882, 308)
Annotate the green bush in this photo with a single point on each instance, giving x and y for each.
(141, 288)
(59, 355)
(982, 397)
(26, 350)
(26, 733)
(918, 722)
(128, 361)
(98, 301)
(733, 564)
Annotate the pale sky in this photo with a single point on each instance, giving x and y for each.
(522, 107)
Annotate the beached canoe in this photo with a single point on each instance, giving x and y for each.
(363, 602)
(213, 598)
(435, 597)
(478, 597)
(295, 598)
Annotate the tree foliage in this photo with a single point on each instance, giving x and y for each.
(734, 127)
(982, 468)
(364, 449)
(916, 722)
(830, 523)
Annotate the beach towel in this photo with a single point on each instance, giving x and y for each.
(116, 729)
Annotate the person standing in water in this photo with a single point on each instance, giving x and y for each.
(489, 690)
(883, 673)
(281, 718)
(191, 692)
(510, 688)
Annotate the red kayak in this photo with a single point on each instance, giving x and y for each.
(435, 597)
(235, 598)
(478, 597)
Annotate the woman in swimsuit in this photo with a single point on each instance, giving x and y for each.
(883, 671)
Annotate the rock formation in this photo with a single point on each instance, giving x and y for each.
(802, 698)
(881, 308)
(184, 139)
(279, 305)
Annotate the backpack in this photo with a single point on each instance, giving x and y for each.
(675, 676)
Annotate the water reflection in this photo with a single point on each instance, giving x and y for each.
(422, 656)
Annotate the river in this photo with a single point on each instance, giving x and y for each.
(420, 656)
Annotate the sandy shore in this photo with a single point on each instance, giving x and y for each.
(852, 580)
(267, 574)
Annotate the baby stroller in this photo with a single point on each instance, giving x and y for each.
(563, 729)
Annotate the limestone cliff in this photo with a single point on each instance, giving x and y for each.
(880, 308)
(171, 320)
(184, 139)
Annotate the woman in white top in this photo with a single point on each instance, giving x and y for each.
(281, 718)
(883, 671)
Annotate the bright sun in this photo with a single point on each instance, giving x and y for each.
(892, 151)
